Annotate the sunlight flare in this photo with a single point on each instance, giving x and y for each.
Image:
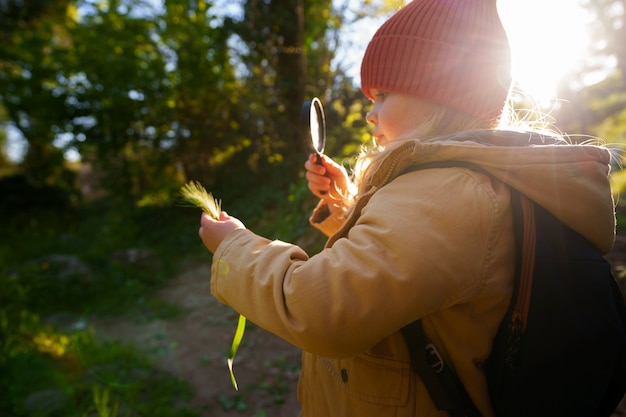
(549, 39)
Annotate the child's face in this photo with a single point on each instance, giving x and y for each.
(394, 115)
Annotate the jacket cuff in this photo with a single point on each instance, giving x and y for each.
(325, 221)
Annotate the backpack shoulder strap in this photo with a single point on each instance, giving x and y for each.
(443, 385)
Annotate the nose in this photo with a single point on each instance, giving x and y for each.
(371, 117)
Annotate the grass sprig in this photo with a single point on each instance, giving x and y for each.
(195, 194)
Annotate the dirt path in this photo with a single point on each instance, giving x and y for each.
(195, 345)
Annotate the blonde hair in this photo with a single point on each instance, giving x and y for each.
(444, 121)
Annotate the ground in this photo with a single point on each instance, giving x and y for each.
(195, 345)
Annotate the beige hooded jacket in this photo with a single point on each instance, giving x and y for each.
(422, 243)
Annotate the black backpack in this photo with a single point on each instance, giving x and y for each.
(560, 350)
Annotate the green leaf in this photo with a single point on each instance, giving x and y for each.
(241, 327)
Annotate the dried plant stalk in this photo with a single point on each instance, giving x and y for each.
(195, 194)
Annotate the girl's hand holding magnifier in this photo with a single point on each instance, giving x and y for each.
(328, 180)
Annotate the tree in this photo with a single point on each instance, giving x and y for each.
(206, 94)
(32, 41)
(152, 96)
(609, 30)
(117, 90)
(587, 106)
(21, 14)
(288, 48)
(271, 39)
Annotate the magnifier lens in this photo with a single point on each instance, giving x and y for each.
(316, 138)
(312, 119)
(314, 123)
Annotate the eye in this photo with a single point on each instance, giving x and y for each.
(380, 95)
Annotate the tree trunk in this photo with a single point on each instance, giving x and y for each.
(288, 16)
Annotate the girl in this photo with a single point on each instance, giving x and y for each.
(407, 243)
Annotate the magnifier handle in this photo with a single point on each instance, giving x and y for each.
(318, 161)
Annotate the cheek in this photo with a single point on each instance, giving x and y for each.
(397, 125)
(413, 120)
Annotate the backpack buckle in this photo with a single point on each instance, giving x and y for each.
(434, 358)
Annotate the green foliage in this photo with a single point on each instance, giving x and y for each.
(607, 33)
(119, 90)
(288, 221)
(101, 400)
(19, 195)
(75, 266)
(5, 164)
(16, 14)
(54, 374)
(96, 261)
(152, 97)
(275, 389)
(614, 129)
(32, 53)
(621, 222)
(348, 130)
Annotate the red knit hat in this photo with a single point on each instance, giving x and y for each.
(451, 52)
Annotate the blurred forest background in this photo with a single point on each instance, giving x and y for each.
(118, 103)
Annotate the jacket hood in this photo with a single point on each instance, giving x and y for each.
(569, 180)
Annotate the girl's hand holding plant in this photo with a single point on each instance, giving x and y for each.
(212, 231)
(215, 224)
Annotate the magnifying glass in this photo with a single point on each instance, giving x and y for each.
(314, 125)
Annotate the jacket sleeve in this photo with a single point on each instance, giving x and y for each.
(422, 243)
